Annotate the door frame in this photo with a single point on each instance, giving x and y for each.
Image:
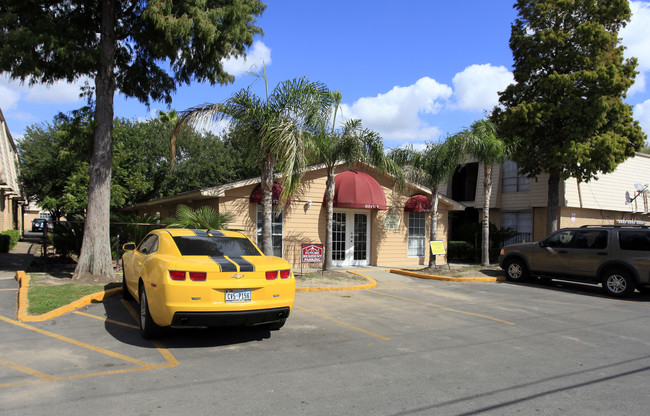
(349, 238)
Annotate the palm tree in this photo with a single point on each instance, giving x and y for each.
(204, 217)
(483, 143)
(350, 144)
(430, 167)
(273, 131)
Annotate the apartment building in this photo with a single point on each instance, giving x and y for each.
(11, 199)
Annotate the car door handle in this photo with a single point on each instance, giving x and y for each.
(139, 263)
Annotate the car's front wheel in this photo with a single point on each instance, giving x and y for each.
(516, 270)
(148, 328)
(618, 283)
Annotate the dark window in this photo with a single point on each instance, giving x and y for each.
(634, 240)
(215, 246)
(561, 239)
(149, 245)
(463, 183)
(590, 239)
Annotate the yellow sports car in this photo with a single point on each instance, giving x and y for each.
(204, 278)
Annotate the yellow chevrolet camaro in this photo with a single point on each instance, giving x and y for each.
(205, 278)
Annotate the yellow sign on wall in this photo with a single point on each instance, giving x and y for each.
(437, 247)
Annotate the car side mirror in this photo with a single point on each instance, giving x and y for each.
(543, 244)
(128, 247)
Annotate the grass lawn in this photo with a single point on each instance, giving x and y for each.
(44, 297)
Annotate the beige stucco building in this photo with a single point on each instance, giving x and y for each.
(11, 199)
(521, 203)
(366, 232)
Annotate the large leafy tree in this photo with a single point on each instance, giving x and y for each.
(430, 167)
(350, 144)
(565, 111)
(273, 130)
(142, 48)
(489, 150)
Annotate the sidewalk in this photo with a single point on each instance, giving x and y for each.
(19, 258)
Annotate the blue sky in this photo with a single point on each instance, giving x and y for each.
(414, 71)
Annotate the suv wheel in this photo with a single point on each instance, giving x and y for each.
(618, 283)
(516, 270)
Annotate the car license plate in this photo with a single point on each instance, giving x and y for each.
(238, 295)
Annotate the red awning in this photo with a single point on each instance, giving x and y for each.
(418, 203)
(256, 195)
(353, 189)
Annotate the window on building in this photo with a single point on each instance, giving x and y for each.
(521, 222)
(417, 234)
(276, 230)
(512, 180)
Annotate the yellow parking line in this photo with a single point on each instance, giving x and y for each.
(131, 311)
(442, 307)
(101, 318)
(343, 323)
(28, 370)
(75, 342)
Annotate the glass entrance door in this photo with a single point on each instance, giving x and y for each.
(350, 243)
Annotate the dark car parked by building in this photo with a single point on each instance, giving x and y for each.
(617, 256)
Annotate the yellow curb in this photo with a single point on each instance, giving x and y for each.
(373, 283)
(446, 278)
(23, 302)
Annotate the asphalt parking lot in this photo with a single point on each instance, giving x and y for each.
(408, 346)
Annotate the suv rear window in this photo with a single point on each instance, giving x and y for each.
(215, 246)
(634, 240)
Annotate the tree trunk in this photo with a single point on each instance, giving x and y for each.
(553, 203)
(267, 205)
(329, 218)
(434, 224)
(485, 224)
(95, 257)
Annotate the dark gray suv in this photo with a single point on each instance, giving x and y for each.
(618, 256)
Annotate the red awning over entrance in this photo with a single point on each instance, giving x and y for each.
(353, 189)
(418, 203)
(256, 195)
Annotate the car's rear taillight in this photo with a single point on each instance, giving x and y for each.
(177, 275)
(198, 276)
(284, 274)
(272, 275)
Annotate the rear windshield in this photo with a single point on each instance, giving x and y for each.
(634, 240)
(215, 246)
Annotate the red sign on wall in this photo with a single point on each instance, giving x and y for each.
(312, 253)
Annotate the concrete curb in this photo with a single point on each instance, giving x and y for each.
(373, 283)
(446, 278)
(23, 302)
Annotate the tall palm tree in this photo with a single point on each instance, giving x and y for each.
(273, 132)
(350, 144)
(204, 217)
(483, 143)
(430, 167)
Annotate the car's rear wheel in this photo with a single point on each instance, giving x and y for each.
(148, 328)
(274, 326)
(126, 295)
(618, 283)
(516, 270)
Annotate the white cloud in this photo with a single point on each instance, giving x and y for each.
(642, 115)
(396, 114)
(636, 37)
(59, 92)
(256, 55)
(476, 87)
(8, 97)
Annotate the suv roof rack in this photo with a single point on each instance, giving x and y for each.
(616, 226)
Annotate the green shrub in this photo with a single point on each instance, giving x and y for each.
(460, 252)
(8, 239)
